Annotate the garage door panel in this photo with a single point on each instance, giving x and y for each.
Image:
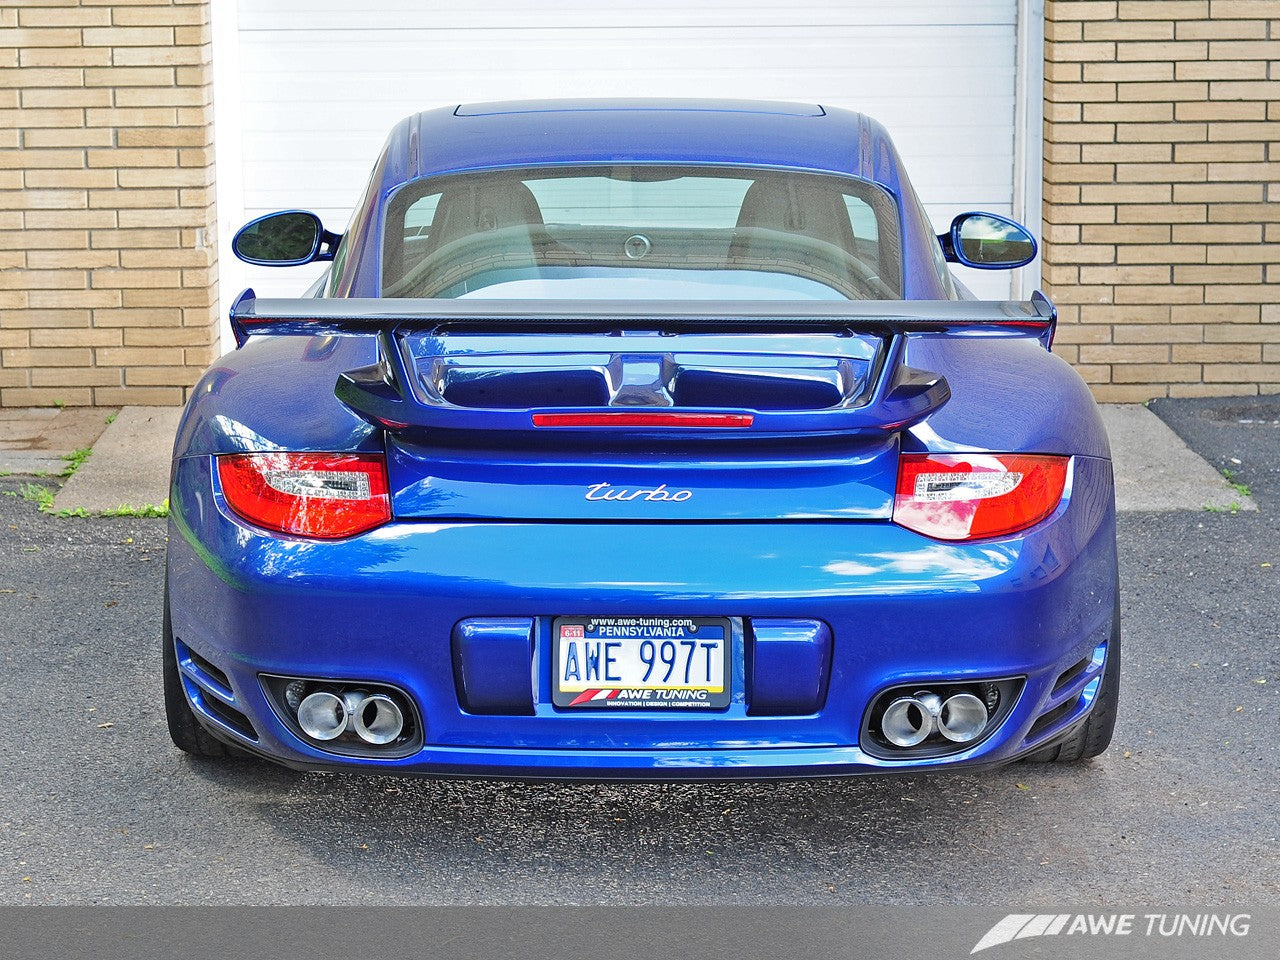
(461, 14)
(320, 86)
(979, 52)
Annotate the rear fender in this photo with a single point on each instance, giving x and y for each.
(276, 393)
(1008, 395)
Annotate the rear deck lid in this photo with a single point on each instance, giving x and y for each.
(639, 410)
(642, 426)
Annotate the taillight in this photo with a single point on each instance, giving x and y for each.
(968, 496)
(322, 495)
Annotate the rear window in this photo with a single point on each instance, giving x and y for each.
(642, 232)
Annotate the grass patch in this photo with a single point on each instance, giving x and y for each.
(75, 460)
(148, 510)
(40, 496)
(1240, 488)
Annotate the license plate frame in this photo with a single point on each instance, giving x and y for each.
(703, 692)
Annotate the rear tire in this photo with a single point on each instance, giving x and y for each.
(184, 729)
(1093, 736)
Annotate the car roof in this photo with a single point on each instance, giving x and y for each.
(537, 133)
(729, 132)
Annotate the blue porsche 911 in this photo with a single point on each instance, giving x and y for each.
(641, 439)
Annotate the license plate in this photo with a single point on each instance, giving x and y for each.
(610, 663)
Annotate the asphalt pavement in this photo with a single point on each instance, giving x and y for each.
(97, 807)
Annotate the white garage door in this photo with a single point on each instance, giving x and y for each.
(306, 90)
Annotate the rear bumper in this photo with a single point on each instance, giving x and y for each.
(901, 609)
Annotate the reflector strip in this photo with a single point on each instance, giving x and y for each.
(329, 484)
(947, 487)
(630, 418)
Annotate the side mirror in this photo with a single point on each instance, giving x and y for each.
(988, 242)
(287, 239)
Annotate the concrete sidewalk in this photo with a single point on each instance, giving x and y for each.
(129, 466)
(1155, 470)
(39, 440)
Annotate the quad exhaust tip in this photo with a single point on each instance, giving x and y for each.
(322, 716)
(375, 718)
(909, 721)
(962, 718)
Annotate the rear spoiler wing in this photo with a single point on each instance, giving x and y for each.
(390, 395)
(336, 315)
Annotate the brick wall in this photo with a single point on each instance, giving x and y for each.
(1161, 197)
(1162, 194)
(107, 256)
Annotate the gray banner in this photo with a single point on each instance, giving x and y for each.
(614, 933)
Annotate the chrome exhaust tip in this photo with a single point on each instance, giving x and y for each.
(908, 721)
(322, 715)
(378, 719)
(352, 718)
(962, 718)
(943, 718)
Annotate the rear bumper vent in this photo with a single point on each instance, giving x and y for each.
(1050, 719)
(211, 694)
(1071, 674)
(1071, 697)
(212, 672)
